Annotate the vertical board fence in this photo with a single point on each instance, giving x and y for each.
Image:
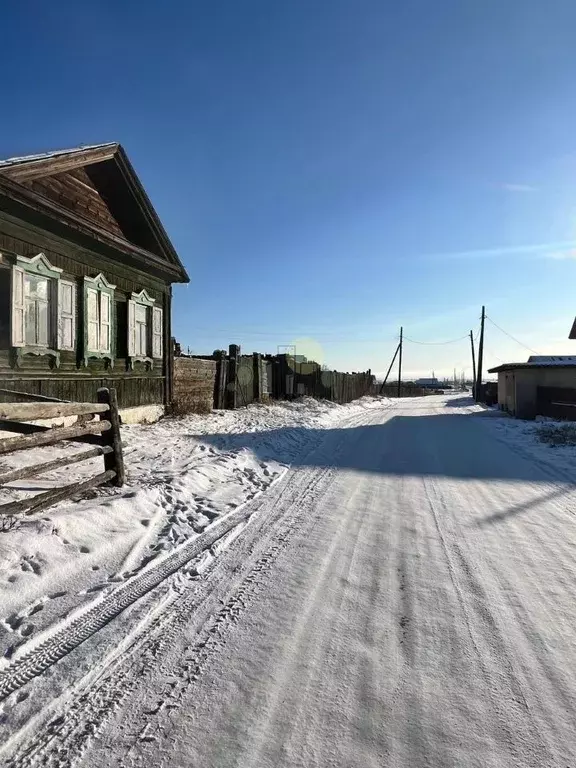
(103, 434)
(234, 380)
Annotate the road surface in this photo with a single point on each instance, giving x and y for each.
(405, 596)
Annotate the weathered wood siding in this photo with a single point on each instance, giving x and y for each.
(131, 390)
(194, 384)
(71, 380)
(75, 191)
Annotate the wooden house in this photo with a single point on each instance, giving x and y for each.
(86, 273)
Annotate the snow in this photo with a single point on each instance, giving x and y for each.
(54, 153)
(178, 483)
(396, 588)
(547, 360)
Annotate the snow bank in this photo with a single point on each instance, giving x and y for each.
(182, 474)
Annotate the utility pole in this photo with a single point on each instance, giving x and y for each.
(473, 364)
(480, 356)
(400, 364)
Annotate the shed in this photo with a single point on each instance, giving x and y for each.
(545, 385)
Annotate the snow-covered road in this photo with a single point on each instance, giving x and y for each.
(404, 595)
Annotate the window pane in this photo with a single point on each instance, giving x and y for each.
(30, 322)
(140, 314)
(36, 287)
(42, 309)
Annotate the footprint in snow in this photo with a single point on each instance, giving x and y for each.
(27, 630)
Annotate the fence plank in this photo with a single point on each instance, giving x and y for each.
(34, 411)
(51, 436)
(29, 396)
(53, 496)
(48, 466)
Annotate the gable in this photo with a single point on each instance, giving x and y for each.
(75, 191)
(99, 186)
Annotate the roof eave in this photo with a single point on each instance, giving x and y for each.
(529, 367)
(29, 168)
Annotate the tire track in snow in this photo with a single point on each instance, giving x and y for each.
(86, 622)
(64, 738)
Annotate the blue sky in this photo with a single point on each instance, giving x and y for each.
(328, 169)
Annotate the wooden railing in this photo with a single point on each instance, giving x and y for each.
(103, 434)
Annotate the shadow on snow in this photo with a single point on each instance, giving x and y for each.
(451, 445)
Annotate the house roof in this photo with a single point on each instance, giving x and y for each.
(55, 153)
(110, 173)
(538, 361)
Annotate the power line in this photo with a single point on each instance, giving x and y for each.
(496, 356)
(511, 337)
(436, 343)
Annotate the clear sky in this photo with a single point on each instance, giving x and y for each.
(330, 169)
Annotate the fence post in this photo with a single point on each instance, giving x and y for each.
(257, 377)
(111, 437)
(234, 354)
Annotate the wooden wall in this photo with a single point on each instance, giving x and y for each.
(131, 391)
(194, 384)
(74, 190)
(71, 380)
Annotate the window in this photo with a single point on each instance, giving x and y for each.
(36, 310)
(39, 308)
(140, 330)
(98, 303)
(98, 319)
(145, 328)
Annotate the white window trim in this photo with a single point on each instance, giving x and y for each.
(18, 308)
(141, 299)
(63, 315)
(102, 288)
(38, 266)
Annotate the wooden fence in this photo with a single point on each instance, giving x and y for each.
(194, 384)
(234, 380)
(103, 434)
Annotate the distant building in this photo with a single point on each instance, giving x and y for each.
(428, 383)
(543, 386)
